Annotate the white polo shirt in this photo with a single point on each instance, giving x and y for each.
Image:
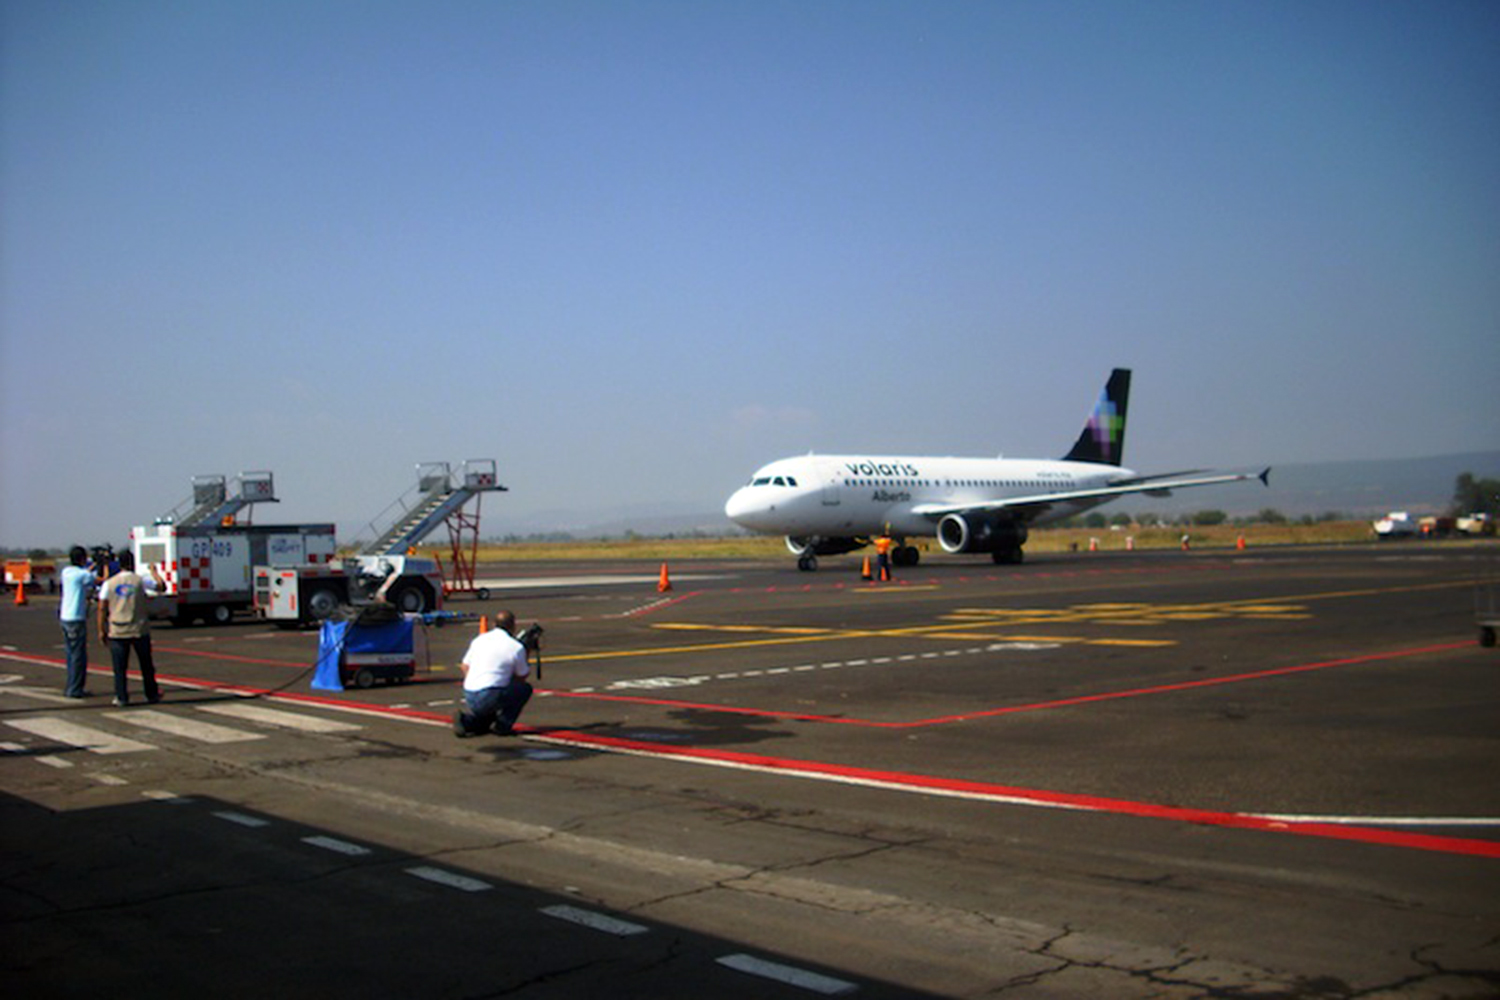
(494, 658)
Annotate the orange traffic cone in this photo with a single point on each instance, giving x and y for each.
(664, 584)
(484, 624)
(864, 573)
(20, 593)
(1240, 543)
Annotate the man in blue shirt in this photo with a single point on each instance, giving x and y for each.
(77, 587)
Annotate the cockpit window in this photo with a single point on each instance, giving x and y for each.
(762, 481)
(790, 481)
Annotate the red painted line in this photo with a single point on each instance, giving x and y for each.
(726, 709)
(661, 605)
(896, 780)
(1189, 685)
(230, 657)
(944, 720)
(1092, 803)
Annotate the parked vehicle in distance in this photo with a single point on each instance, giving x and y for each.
(1396, 524)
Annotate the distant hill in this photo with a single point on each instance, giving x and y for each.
(1358, 489)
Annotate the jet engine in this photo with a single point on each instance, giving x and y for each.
(978, 532)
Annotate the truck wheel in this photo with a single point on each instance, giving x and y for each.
(410, 599)
(364, 677)
(322, 603)
(221, 614)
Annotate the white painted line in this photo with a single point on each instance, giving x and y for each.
(451, 879)
(40, 694)
(242, 819)
(276, 717)
(56, 762)
(9, 747)
(792, 976)
(338, 846)
(595, 921)
(176, 725)
(162, 795)
(109, 779)
(63, 731)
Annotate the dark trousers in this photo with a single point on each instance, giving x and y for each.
(499, 707)
(76, 641)
(119, 652)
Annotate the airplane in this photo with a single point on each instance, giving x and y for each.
(832, 504)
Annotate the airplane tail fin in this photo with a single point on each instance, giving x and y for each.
(1103, 438)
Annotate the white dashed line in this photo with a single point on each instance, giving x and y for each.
(595, 921)
(792, 976)
(337, 846)
(451, 879)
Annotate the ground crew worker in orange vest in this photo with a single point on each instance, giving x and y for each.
(883, 554)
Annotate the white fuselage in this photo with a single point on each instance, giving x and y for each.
(860, 495)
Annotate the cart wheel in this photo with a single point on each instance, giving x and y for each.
(1487, 636)
(364, 678)
(483, 593)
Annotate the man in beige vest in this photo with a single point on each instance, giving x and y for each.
(123, 625)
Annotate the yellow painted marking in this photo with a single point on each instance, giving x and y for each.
(892, 590)
(772, 629)
(1107, 614)
(1130, 642)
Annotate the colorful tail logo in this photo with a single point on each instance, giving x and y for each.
(1103, 438)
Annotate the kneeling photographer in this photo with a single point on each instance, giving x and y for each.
(495, 670)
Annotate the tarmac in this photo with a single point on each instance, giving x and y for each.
(1166, 774)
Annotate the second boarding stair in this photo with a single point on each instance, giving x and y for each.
(439, 496)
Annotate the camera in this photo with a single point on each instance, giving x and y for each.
(531, 637)
(102, 558)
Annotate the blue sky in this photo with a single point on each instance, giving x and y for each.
(634, 250)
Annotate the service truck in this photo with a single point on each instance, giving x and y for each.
(207, 567)
(298, 595)
(213, 570)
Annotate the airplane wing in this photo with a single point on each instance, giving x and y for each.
(1027, 507)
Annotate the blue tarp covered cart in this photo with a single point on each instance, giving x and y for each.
(350, 653)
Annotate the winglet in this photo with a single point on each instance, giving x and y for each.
(1265, 477)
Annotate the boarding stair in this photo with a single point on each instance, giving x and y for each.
(439, 497)
(216, 502)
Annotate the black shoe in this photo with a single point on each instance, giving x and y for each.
(81, 694)
(459, 729)
(152, 699)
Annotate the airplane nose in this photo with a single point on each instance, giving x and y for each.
(742, 508)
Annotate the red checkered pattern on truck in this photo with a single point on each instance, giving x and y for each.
(193, 574)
